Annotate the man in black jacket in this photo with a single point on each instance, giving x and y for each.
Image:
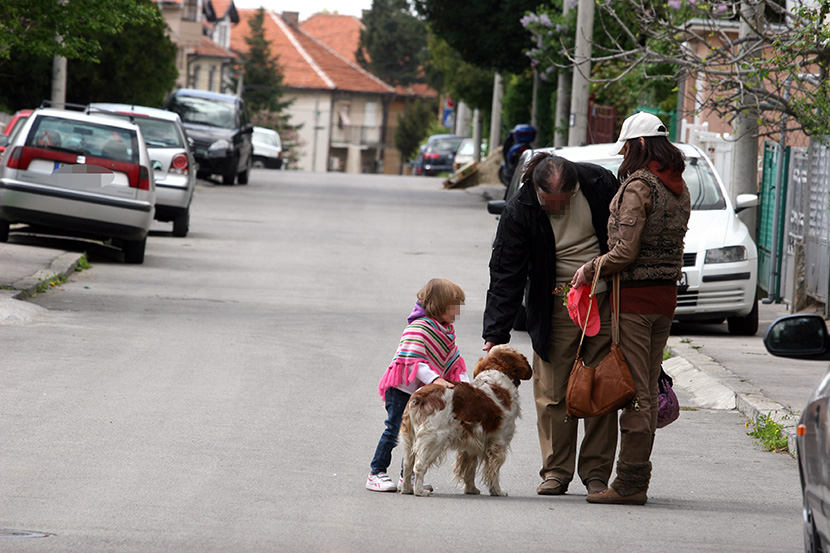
(556, 222)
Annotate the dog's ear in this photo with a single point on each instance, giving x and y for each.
(523, 370)
(485, 364)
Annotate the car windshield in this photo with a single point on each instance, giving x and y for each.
(86, 138)
(266, 138)
(204, 111)
(158, 133)
(466, 148)
(446, 145)
(703, 188)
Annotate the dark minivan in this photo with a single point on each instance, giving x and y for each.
(220, 128)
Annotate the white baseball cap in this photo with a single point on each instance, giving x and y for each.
(639, 124)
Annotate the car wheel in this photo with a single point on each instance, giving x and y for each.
(134, 250)
(4, 231)
(230, 175)
(744, 326)
(243, 176)
(259, 163)
(181, 224)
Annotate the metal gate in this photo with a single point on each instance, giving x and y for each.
(770, 248)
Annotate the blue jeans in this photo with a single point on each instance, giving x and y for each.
(395, 404)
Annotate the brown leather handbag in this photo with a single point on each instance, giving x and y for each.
(596, 391)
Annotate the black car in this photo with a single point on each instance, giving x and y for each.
(220, 128)
(806, 337)
(439, 154)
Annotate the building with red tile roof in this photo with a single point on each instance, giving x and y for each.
(347, 114)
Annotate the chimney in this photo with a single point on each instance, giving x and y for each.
(292, 18)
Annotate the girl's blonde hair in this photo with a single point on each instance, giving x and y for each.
(438, 295)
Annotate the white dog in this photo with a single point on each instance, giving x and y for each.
(476, 419)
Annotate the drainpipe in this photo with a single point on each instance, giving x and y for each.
(779, 180)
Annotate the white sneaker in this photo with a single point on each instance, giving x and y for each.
(427, 487)
(380, 482)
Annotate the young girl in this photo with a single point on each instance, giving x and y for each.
(427, 354)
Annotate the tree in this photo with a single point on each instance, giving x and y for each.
(446, 70)
(137, 66)
(392, 42)
(779, 68)
(413, 126)
(486, 33)
(263, 79)
(31, 26)
(264, 89)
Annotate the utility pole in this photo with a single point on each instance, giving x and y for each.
(563, 100)
(477, 135)
(578, 122)
(744, 178)
(58, 80)
(495, 120)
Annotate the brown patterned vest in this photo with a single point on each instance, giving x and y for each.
(661, 243)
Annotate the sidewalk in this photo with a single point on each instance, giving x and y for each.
(741, 375)
(22, 269)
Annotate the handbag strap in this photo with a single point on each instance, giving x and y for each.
(615, 316)
(590, 303)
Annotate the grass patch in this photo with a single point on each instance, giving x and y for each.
(768, 434)
(666, 353)
(83, 264)
(49, 283)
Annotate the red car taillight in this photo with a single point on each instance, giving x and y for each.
(14, 158)
(143, 182)
(432, 155)
(179, 165)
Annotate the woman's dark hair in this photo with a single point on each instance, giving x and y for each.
(642, 151)
(543, 168)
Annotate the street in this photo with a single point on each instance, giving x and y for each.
(221, 397)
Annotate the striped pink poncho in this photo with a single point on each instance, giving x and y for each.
(424, 341)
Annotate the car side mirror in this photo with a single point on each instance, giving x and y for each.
(744, 201)
(798, 337)
(495, 207)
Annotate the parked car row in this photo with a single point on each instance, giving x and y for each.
(107, 171)
(720, 259)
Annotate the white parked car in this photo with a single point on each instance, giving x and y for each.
(68, 172)
(267, 148)
(173, 164)
(720, 259)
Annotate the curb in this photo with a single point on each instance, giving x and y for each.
(713, 386)
(62, 266)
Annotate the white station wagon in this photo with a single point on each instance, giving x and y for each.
(67, 172)
(720, 259)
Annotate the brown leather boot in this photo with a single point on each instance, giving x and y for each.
(613, 497)
(629, 487)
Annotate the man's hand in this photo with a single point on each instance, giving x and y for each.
(579, 278)
(487, 346)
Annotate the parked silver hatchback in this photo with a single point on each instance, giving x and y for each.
(69, 172)
(173, 164)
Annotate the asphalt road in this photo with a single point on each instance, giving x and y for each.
(222, 396)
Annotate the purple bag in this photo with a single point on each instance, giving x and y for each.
(668, 409)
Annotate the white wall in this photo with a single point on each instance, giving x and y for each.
(313, 111)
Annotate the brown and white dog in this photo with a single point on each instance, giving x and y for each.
(476, 419)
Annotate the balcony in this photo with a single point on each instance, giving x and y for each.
(356, 135)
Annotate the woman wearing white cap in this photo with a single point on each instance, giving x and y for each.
(648, 221)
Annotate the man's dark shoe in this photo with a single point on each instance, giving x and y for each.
(552, 486)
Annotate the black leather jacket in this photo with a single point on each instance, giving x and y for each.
(524, 251)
